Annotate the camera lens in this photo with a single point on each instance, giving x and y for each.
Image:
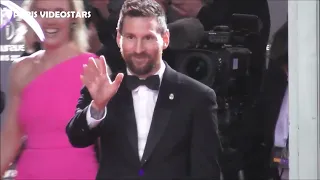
(199, 65)
(197, 68)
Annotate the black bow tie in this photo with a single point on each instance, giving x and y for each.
(152, 82)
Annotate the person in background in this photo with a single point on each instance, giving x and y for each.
(274, 105)
(267, 122)
(104, 18)
(94, 41)
(43, 92)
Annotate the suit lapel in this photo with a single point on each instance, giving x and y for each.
(162, 111)
(127, 113)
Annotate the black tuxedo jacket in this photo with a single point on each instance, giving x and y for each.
(182, 142)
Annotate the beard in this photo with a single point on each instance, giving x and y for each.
(140, 70)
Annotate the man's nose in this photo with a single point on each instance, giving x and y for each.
(139, 47)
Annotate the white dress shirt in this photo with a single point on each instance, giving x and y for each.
(282, 127)
(144, 100)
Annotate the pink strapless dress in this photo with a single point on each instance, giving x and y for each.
(48, 103)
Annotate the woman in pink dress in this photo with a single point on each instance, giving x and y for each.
(44, 89)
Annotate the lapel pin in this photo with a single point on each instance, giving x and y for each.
(171, 96)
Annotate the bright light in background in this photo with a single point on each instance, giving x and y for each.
(6, 16)
(23, 14)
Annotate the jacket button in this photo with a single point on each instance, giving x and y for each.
(141, 172)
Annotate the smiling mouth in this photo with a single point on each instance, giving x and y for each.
(140, 60)
(51, 31)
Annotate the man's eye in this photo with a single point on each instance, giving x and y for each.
(149, 38)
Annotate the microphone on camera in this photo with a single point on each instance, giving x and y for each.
(185, 33)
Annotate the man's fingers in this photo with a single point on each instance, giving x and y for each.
(82, 79)
(93, 64)
(104, 68)
(92, 68)
(85, 81)
(88, 73)
(118, 79)
(103, 65)
(99, 65)
(116, 83)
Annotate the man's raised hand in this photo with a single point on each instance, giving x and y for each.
(95, 77)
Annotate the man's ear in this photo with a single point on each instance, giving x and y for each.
(118, 38)
(166, 39)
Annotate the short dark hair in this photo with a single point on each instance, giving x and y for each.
(143, 8)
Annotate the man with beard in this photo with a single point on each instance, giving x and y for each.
(153, 122)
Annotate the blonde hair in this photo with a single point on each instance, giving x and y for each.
(79, 32)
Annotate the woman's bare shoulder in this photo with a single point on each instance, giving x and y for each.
(22, 67)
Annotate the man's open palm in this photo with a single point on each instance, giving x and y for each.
(95, 77)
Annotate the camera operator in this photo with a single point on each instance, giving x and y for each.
(265, 126)
(274, 106)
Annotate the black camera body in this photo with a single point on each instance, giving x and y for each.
(219, 69)
(221, 60)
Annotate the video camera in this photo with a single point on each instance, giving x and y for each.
(219, 58)
(219, 55)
